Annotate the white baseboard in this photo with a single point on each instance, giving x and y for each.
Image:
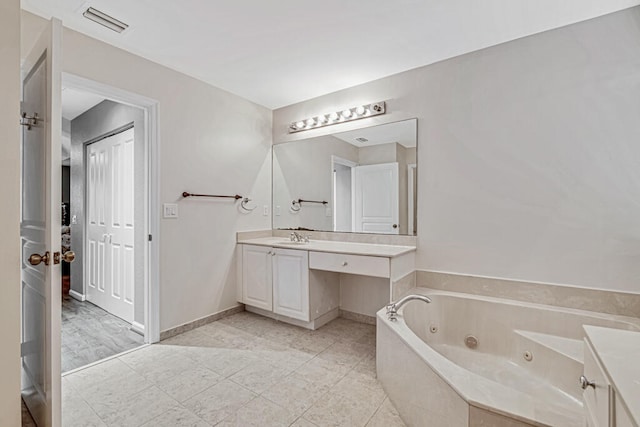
(138, 328)
(76, 295)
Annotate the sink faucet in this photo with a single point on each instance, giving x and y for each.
(393, 307)
(296, 237)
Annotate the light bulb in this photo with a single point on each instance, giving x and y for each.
(311, 122)
(322, 119)
(360, 110)
(300, 124)
(346, 114)
(333, 116)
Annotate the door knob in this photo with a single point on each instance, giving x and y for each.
(36, 259)
(584, 383)
(395, 225)
(68, 256)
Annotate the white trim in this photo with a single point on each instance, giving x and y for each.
(77, 295)
(106, 359)
(336, 160)
(411, 182)
(138, 328)
(152, 207)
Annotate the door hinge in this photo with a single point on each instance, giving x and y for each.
(150, 237)
(29, 121)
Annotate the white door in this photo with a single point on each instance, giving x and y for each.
(377, 208)
(257, 290)
(291, 283)
(110, 228)
(40, 227)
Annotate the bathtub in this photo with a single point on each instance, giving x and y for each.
(523, 371)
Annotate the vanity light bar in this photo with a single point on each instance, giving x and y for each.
(335, 117)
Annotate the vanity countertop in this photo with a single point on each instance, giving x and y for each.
(368, 249)
(619, 353)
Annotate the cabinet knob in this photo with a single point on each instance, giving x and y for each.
(345, 263)
(584, 383)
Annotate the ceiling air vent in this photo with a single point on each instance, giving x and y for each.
(361, 139)
(103, 19)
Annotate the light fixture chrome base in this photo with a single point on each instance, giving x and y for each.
(337, 117)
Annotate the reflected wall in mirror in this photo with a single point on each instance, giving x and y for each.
(360, 181)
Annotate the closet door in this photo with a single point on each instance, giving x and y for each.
(110, 230)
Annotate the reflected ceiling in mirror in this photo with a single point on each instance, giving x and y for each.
(361, 181)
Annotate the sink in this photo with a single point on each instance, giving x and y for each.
(289, 242)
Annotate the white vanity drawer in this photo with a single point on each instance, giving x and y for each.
(352, 264)
(596, 399)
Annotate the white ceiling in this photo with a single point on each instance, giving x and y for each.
(404, 133)
(276, 53)
(75, 102)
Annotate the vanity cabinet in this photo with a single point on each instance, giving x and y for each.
(312, 283)
(291, 283)
(604, 401)
(276, 280)
(597, 393)
(257, 288)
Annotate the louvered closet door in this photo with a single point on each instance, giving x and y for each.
(110, 231)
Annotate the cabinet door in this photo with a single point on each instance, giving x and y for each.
(257, 288)
(597, 399)
(291, 283)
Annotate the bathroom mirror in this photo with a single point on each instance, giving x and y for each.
(361, 181)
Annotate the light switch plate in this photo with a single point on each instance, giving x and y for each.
(170, 210)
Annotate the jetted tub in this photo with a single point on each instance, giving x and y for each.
(523, 371)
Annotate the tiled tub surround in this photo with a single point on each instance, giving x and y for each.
(604, 301)
(243, 370)
(429, 373)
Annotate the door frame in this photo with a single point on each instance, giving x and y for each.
(412, 174)
(152, 193)
(337, 160)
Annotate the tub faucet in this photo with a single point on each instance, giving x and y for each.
(393, 307)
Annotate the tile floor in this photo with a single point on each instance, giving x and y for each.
(244, 370)
(90, 334)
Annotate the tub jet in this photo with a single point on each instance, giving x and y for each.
(471, 341)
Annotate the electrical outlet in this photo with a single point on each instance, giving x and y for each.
(170, 210)
(277, 210)
(327, 211)
(265, 210)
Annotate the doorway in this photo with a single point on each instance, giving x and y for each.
(343, 203)
(106, 222)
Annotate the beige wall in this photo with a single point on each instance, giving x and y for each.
(527, 151)
(303, 171)
(211, 141)
(10, 213)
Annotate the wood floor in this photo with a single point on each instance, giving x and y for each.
(90, 334)
(27, 420)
